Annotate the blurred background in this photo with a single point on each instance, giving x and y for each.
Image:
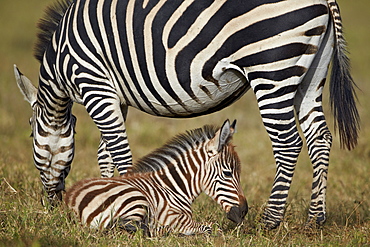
(348, 186)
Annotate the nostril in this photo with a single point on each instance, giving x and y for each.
(245, 207)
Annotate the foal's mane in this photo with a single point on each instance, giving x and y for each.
(47, 26)
(158, 159)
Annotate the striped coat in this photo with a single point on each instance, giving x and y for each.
(185, 58)
(159, 190)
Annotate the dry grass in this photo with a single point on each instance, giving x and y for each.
(23, 221)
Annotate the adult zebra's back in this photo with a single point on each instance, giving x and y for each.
(188, 58)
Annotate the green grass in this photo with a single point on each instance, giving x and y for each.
(24, 222)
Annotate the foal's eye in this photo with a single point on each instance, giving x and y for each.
(227, 174)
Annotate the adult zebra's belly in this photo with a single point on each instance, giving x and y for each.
(201, 97)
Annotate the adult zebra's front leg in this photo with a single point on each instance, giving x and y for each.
(105, 160)
(277, 111)
(105, 109)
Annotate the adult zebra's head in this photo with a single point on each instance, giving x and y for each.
(221, 178)
(52, 125)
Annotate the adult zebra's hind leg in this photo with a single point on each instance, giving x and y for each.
(318, 139)
(105, 160)
(276, 104)
(308, 103)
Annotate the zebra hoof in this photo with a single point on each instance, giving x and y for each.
(52, 200)
(316, 222)
(207, 230)
(211, 228)
(269, 222)
(270, 225)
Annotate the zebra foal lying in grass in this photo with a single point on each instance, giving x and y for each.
(186, 58)
(158, 190)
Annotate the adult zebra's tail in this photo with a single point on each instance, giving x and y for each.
(342, 93)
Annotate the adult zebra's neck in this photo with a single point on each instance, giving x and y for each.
(53, 133)
(51, 97)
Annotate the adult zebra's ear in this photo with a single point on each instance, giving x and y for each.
(222, 137)
(28, 90)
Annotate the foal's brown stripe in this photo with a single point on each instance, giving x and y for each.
(109, 201)
(92, 194)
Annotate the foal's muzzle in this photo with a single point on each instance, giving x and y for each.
(237, 213)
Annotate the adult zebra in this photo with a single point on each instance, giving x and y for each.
(188, 58)
(158, 191)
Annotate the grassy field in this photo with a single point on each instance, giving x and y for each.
(24, 222)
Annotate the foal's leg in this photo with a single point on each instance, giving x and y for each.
(184, 224)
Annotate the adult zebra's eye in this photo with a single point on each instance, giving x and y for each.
(227, 174)
(30, 122)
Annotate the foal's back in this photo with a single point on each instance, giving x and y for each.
(99, 202)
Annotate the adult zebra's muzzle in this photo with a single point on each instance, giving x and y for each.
(237, 213)
(54, 193)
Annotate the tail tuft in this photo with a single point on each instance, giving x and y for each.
(342, 87)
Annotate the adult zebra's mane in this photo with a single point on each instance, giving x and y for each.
(47, 26)
(181, 143)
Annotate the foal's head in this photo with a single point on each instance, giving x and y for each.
(221, 176)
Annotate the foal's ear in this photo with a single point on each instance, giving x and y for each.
(222, 137)
(28, 90)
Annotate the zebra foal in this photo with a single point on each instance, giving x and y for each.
(159, 189)
(185, 58)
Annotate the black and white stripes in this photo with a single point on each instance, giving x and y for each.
(190, 58)
(158, 191)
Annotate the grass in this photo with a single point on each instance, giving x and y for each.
(24, 222)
